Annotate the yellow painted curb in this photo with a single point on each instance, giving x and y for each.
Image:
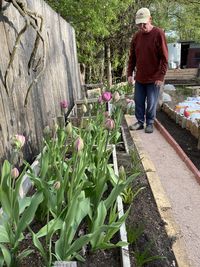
(161, 199)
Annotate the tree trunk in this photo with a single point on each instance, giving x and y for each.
(89, 74)
(124, 71)
(102, 65)
(82, 73)
(109, 72)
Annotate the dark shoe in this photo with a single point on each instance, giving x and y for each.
(149, 128)
(136, 126)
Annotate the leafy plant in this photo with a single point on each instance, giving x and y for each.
(133, 233)
(17, 214)
(136, 165)
(141, 258)
(65, 228)
(145, 257)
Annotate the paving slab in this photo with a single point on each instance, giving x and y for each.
(179, 186)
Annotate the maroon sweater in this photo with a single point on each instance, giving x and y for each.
(148, 56)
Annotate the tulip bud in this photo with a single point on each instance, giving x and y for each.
(109, 124)
(106, 96)
(57, 185)
(85, 100)
(84, 109)
(90, 106)
(122, 173)
(69, 129)
(106, 114)
(78, 145)
(100, 100)
(128, 100)
(63, 104)
(18, 141)
(116, 96)
(47, 131)
(55, 127)
(14, 173)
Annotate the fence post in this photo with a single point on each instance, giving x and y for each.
(198, 72)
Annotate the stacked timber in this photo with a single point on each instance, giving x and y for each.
(182, 76)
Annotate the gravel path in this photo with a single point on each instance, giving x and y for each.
(181, 188)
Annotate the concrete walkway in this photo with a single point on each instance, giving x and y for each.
(180, 187)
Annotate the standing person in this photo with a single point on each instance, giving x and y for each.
(148, 60)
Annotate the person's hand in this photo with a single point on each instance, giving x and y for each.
(130, 80)
(158, 83)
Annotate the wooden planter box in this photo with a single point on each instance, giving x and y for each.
(182, 120)
(77, 109)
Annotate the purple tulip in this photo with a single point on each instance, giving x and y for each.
(64, 104)
(106, 96)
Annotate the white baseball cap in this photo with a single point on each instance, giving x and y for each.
(142, 15)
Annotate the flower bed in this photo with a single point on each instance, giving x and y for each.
(71, 202)
(184, 122)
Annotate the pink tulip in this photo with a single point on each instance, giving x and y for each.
(109, 124)
(21, 139)
(64, 104)
(78, 145)
(106, 96)
(18, 141)
(129, 100)
(14, 173)
(100, 100)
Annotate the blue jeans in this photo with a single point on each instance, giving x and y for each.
(146, 98)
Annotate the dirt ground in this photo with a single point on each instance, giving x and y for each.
(182, 136)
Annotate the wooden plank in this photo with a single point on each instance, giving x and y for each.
(125, 259)
(182, 74)
(65, 264)
(60, 80)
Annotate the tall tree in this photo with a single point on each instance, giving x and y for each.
(110, 23)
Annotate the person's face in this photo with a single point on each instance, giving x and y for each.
(145, 27)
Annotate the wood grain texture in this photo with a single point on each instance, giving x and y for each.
(60, 80)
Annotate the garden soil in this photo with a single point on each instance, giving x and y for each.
(178, 182)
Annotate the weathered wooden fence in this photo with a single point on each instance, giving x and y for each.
(60, 80)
